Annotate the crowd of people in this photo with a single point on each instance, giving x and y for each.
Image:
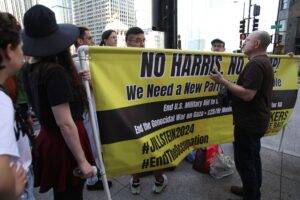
(51, 78)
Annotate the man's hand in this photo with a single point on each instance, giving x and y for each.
(291, 54)
(85, 75)
(216, 76)
(239, 91)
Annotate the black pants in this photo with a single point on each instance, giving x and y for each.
(74, 193)
(247, 160)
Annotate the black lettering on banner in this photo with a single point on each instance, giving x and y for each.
(277, 82)
(207, 65)
(164, 138)
(275, 63)
(173, 153)
(157, 90)
(191, 88)
(186, 65)
(153, 64)
(178, 89)
(211, 86)
(145, 148)
(236, 65)
(176, 64)
(278, 118)
(194, 65)
(134, 92)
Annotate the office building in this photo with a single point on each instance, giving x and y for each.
(16, 7)
(96, 14)
(289, 19)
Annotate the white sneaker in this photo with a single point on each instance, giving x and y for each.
(135, 187)
(159, 187)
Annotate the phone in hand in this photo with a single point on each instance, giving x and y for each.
(213, 71)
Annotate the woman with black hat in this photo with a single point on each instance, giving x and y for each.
(59, 100)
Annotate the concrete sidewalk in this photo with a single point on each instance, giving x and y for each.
(281, 178)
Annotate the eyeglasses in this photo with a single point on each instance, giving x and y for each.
(138, 40)
(218, 45)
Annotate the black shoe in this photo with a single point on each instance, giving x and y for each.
(237, 190)
(98, 185)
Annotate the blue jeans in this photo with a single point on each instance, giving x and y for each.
(28, 191)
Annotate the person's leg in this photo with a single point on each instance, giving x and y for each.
(135, 184)
(258, 166)
(236, 150)
(75, 193)
(135, 177)
(158, 176)
(246, 150)
(161, 181)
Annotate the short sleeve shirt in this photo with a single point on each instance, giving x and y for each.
(255, 114)
(17, 148)
(8, 145)
(53, 87)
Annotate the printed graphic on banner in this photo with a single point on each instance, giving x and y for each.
(154, 107)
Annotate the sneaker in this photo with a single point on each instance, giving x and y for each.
(159, 187)
(135, 187)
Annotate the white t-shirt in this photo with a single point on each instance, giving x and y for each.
(86, 118)
(9, 145)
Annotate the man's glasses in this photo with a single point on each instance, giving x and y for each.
(138, 40)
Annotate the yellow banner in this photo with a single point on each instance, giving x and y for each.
(155, 106)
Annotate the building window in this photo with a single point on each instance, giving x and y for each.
(284, 4)
(283, 25)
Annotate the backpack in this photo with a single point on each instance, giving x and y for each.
(204, 158)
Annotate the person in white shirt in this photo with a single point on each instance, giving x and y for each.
(85, 38)
(15, 156)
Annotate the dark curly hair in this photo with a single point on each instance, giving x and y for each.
(9, 32)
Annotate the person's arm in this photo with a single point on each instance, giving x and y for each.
(7, 182)
(12, 179)
(239, 91)
(65, 122)
(85, 75)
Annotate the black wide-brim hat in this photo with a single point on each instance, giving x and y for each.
(42, 36)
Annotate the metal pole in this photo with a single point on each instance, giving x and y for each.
(171, 25)
(244, 10)
(281, 138)
(276, 29)
(249, 13)
(83, 58)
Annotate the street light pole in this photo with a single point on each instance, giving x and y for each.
(249, 13)
(244, 10)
